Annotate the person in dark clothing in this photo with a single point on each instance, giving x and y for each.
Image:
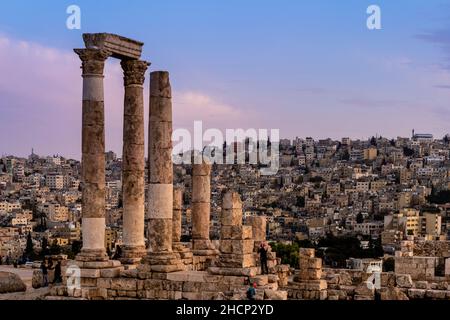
(118, 254)
(44, 269)
(251, 292)
(58, 278)
(263, 258)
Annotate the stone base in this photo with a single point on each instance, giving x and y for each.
(92, 255)
(161, 262)
(132, 255)
(206, 252)
(202, 245)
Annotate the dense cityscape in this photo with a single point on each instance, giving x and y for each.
(378, 191)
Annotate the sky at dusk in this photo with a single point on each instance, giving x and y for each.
(308, 68)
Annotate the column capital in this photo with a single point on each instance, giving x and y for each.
(134, 71)
(93, 60)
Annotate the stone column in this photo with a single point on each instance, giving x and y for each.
(259, 225)
(236, 244)
(133, 164)
(201, 209)
(93, 155)
(160, 256)
(176, 219)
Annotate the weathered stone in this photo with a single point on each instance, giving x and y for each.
(37, 280)
(259, 225)
(391, 293)
(275, 295)
(421, 285)
(236, 246)
(123, 284)
(310, 263)
(10, 282)
(307, 252)
(436, 294)
(416, 293)
(231, 217)
(404, 281)
(236, 232)
(387, 279)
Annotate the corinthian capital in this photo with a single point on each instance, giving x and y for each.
(93, 60)
(134, 71)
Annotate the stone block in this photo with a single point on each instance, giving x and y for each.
(388, 279)
(110, 273)
(310, 263)
(275, 295)
(124, 284)
(236, 232)
(90, 273)
(231, 217)
(260, 280)
(236, 260)
(404, 281)
(416, 293)
(421, 285)
(236, 246)
(104, 283)
(307, 252)
(436, 294)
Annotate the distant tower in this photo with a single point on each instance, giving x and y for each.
(413, 133)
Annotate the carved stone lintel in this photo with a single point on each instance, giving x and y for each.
(134, 71)
(93, 60)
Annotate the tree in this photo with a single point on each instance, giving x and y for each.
(76, 247)
(346, 155)
(300, 202)
(359, 218)
(408, 152)
(373, 141)
(44, 246)
(441, 197)
(389, 265)
(29, 250)
(55, 248)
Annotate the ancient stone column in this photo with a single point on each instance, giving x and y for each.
(160, 256)
(176, 218)
(133, 164)
(236, 243)
(259, 225)
(201, 209)
(93, 155)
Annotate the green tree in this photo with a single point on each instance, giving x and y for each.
(300, 202)
(44, 246)
(441, 197)
(29, 249)
(55, 248)
(359, 218)
(389, 265)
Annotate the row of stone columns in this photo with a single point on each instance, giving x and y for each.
(161, 202)
(93, 157)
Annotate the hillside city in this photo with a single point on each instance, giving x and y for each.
(348, 199)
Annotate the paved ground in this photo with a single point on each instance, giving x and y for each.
(26, 274)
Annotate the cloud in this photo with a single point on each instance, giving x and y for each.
(190, 106)
(40, 102)
(365, 102)
(41, 99)
(441, 38)
(442, 86)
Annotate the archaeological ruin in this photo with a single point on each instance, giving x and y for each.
(165, 267)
